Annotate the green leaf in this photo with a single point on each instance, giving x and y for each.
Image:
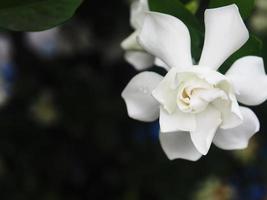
(35, 15)
(245, 6)
(177, 9)
(253, 47)
(197, 39)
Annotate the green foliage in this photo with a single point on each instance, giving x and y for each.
(193, 6)
(35, 15)
(253, 47)
(245, 6)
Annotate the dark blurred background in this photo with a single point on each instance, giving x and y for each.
(64, 129)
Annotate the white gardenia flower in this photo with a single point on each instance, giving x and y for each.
(196, 105)
(135, 54)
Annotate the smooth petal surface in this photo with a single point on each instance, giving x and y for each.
(160, 63)
(138, 12)
(179, 145)
(225, 33)
(238, 138)
(167, 38)
(141, 105)
(177, 121)
(211, 76)
(207, 123)
(166, 91)
(212, 94)
(139, 59)
(249, 79)
(130, 43)
(230, 117)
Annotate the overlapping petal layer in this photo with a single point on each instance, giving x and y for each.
(238, 137)
(207, 123)
(176, 121)
(135, 54)
(179, 145)
(138, 13)
(139, 59)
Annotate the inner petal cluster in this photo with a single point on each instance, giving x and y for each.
(194, 94)
(188, 97)
(191, 91)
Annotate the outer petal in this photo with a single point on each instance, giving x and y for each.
(238, 138)
(212, 94)
(130, 43)
(140, 103)
(167, 38)
(249, 79)
(230, 113)
(207, 123)
(166, 91)
(177, 121)
(138, 12)
(225, 34)
(179, 145)
(139, 59)
(160, 63)
(211, 76)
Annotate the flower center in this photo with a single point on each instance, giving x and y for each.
(189, 95)
(192, 91)
(185, 97)
(190, 101)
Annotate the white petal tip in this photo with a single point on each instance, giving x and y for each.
(137, 95)
(178, 145)
(238, 137)
(137, 114)
(248, 77)
(167, 38)
(257, 129)
(123, 45)
(181, 158)
(225, 29)
(204, 152)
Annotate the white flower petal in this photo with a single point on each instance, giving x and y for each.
(166, 91)
(167, 38)
(198, 104)
(139, 59)
(230, 117)
(179, 145)
(212, 94)
(225, 33)
(211, 76)
(141, 105)
(160, 63)
(177, 121)
(249, 79)
(207, 123)
(130, 43)
(138, 12)
(238, 138)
